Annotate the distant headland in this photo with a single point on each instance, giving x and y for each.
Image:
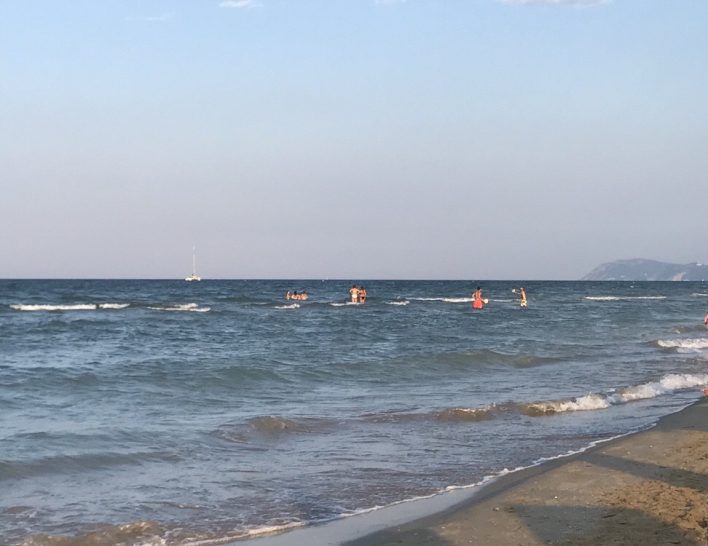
(647, 270)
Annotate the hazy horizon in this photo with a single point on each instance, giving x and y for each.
(366, 139)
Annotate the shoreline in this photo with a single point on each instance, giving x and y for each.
(649, 486)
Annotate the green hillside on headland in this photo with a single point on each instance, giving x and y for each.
(647, 270)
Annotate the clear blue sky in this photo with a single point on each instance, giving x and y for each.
(351, 138)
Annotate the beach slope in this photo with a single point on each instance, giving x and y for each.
(646, 488)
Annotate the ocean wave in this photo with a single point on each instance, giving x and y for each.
(466, 414)
(142, 533)
(699, 295)
(269, 426)
(582, 403)
(668, 384)
(152, 533)
(445, 299)
(398, 302)
(185, 307)
(343, 304)
(68, 307)
(63, 464)
(290, 306)
(684, 345)
(456, 414)
(623, 298)
(254, 532)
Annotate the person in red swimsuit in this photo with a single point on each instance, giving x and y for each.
(477, 301)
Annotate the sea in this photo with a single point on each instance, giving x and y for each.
(160, 412)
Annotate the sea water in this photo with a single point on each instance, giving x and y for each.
(165, 412)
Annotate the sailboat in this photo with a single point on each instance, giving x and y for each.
(193, 276)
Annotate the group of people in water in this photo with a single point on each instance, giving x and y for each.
(357, 294)
(295, 295)
(479, 301)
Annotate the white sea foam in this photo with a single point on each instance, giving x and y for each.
(582, 403)
(622, 298)
(344, 304)
(72, 307)
(247, 533)
(666, 385)
(42, 307)
(291, 306)
(684, 345)
(700, 295)
(400, 302)
(188, 307)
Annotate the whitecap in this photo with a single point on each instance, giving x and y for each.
(43, 307)
(400, 302)
(113, 305)
(188, 307)
(667, 384)
(444, 299)
(684, 345)
(291, 306)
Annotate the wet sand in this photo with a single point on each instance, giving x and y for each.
(647, 488)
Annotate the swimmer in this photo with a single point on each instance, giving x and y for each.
(354, 293)
(524, 301)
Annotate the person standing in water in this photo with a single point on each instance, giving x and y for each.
(362, 294)
(354, 293)
(477, 300)
(524, 301)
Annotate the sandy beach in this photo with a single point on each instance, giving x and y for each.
(646, 488)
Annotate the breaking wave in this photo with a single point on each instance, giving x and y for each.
(666, 385)
(71, 307)
(593, 401)
(188, 307)
(398, 302)
(104, 306)
(684, 345)
(290, 306)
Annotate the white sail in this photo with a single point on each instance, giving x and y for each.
(193, 276)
